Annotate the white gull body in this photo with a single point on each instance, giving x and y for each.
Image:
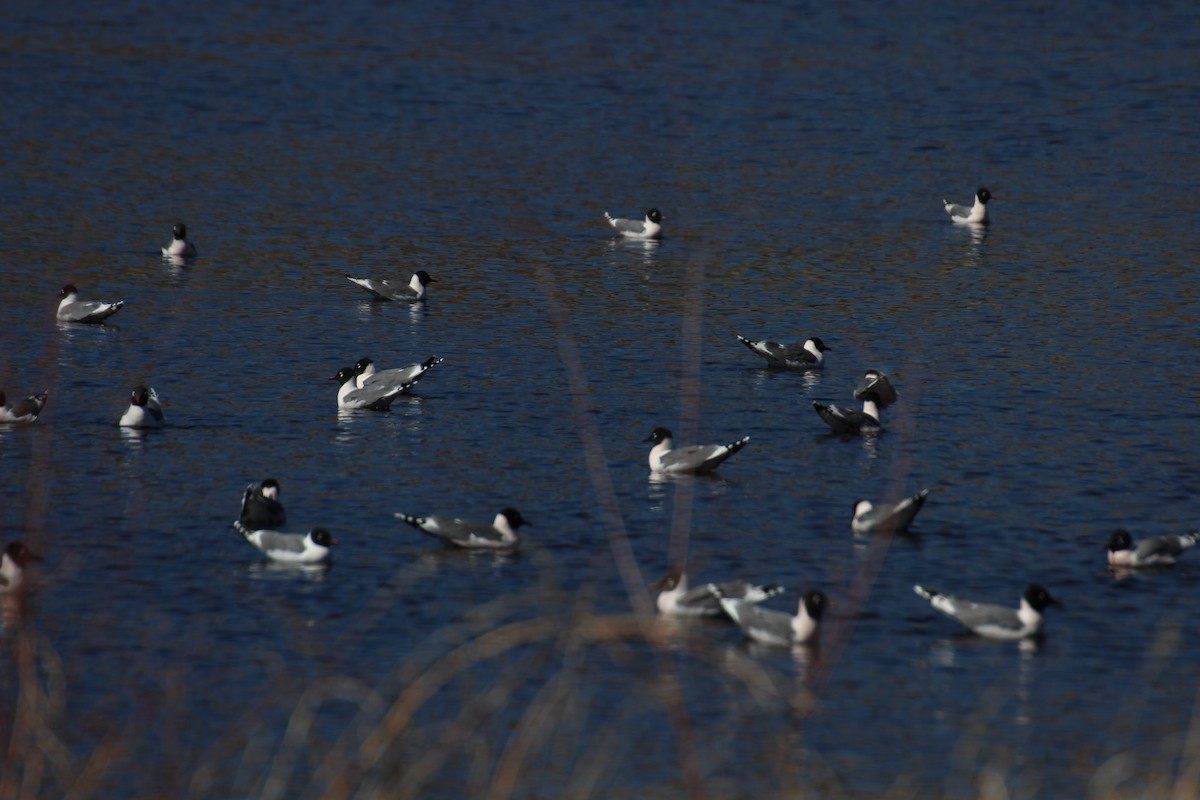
(291, 548)
(697, 459)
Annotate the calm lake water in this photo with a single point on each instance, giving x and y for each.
(1046, 372)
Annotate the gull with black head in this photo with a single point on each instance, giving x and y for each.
(648, 228)
(501, 534)
(976, 214)
(995, 621)
(775, 627)
(291, 548)
(383, 289)
(810, 355)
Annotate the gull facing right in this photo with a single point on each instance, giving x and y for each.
(810, 355)
(976, 214)
(500, 535)
(775, 627)
(995, 621)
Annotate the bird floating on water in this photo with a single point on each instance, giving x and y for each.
(697, 459)
(1154, 551)
(145, 410)
(383, 289)
(775, 627)
(876, 392)
(501, 534)
(810, 355)
(92, 312)
(887, 517)
(674, 596)
(648, 228)
(291, 548)
(976, 214)
(179, 245)
(26, 410)
(995, 621)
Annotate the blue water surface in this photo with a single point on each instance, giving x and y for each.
(800, 154)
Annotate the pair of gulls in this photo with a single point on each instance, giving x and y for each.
(262, 514)
(94, 312)
(364, 387)
(875, 390)
(650, 226)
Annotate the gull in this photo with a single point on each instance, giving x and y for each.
(887, 517)
(995, 621)
(261, 508)
(411, 292)
(698, 458)
(179, 245)
(876, 392)
(26, 410)
(15, 558)
(674, 596)
(1155, 551)
(144, 410)
(501, 534)
(375, 396)
(976, 214)
(291, 548)
(649, 228)
(72, 309)
(775, 627)
(810, 355)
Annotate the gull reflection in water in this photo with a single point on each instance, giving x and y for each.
(648, 248)
(275, 570)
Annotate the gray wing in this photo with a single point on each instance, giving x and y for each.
(982, 615)
(90, 310)
(461, 532)
(373, 396)
(628, 225)
(955, 210)
(384, 289)
(390, 380)
(1157, 547)
(269, 541)
(899, 516)
(761, 624)
(695, 458)
(701, 599)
